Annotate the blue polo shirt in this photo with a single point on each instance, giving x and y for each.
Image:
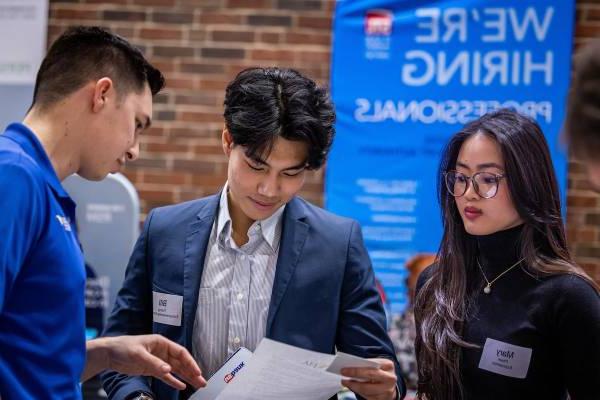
(42, 276)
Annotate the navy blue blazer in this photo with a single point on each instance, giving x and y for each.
(324, 296)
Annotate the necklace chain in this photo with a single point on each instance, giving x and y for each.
(488, 287)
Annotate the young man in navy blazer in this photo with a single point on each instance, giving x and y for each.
(255, 260)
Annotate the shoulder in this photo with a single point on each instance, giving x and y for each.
(568, 292)
(320, 219)
(182, 212)
(21, 174)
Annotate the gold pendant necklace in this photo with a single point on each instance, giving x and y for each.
(488, 288)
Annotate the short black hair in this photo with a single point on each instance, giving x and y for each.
(583, 109)
(82, 54)
(262, 104)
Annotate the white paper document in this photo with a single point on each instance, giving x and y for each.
(227, 373)
(278, 371)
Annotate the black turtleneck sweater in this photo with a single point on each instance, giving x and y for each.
(556, 317)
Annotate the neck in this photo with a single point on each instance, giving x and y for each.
(500, 250)
(240, 223)
(56, 132)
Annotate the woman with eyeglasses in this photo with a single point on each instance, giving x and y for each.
(504, 313)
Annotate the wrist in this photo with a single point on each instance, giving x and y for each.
(98, 353)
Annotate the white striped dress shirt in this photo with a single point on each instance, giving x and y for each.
(235, 289)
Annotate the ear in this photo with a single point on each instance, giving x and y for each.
(102, 92)
(227, 142)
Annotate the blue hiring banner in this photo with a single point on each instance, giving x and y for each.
(406, 75)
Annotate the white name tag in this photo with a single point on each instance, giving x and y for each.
(166, 308)
(505, 358)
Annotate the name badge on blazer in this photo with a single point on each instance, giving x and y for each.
(505, 358)
(166, 308)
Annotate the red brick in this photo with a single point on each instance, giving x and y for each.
(195, 166)
(200, 99)
(201, 131)
(209, 180)
(173, 51)
(222, 52)
(307, 5)
(581, 201)
(164, 3)
(216, 17)
(248, 4)
(170, 178)
(172, 17)
(165, 196)
(213, 84)
(208, 149)
(201, 68)
(232, 36)
(593, 14)
(188, 194)
(590, 31)
(272, 55)
(198, 35)
(314, 56)
(308, 38)
(123, 15)
(270, 20)
(166, 67)
(270, 37)
(323, 23)
(161, 33)
(181, 83)
(165, 148)
(74, 13)
(190, 116)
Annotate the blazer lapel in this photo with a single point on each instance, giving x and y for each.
(294, 234)
(193, 262)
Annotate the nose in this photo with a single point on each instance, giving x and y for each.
(471, 193)
(269, 186)
(133, 152)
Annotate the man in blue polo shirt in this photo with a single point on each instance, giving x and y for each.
(92, 99)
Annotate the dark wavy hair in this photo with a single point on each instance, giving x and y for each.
(85, 53)
(262, 104)
(442, 305)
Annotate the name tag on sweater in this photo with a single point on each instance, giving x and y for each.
(166, 308)
(505, 358)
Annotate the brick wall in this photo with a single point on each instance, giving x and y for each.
(201, 44)
(583, 206)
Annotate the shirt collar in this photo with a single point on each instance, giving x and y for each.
(268, 227)
(32, 147)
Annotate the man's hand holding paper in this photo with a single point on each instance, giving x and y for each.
(372, 383)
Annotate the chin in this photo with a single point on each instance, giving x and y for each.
(478, 229)
(95, 176)
(257, 215)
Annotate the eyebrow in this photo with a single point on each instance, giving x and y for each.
(263, 162)
(480, 166)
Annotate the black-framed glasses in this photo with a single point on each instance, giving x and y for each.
(484, 183)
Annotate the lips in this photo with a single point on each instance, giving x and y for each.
(472, 213)
(262, 204)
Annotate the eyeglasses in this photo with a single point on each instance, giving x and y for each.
(484, 183)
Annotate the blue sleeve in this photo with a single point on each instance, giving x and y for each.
(131, 315)
(21, 202)
(362, 326)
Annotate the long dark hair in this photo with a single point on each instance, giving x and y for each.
(442, 305)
